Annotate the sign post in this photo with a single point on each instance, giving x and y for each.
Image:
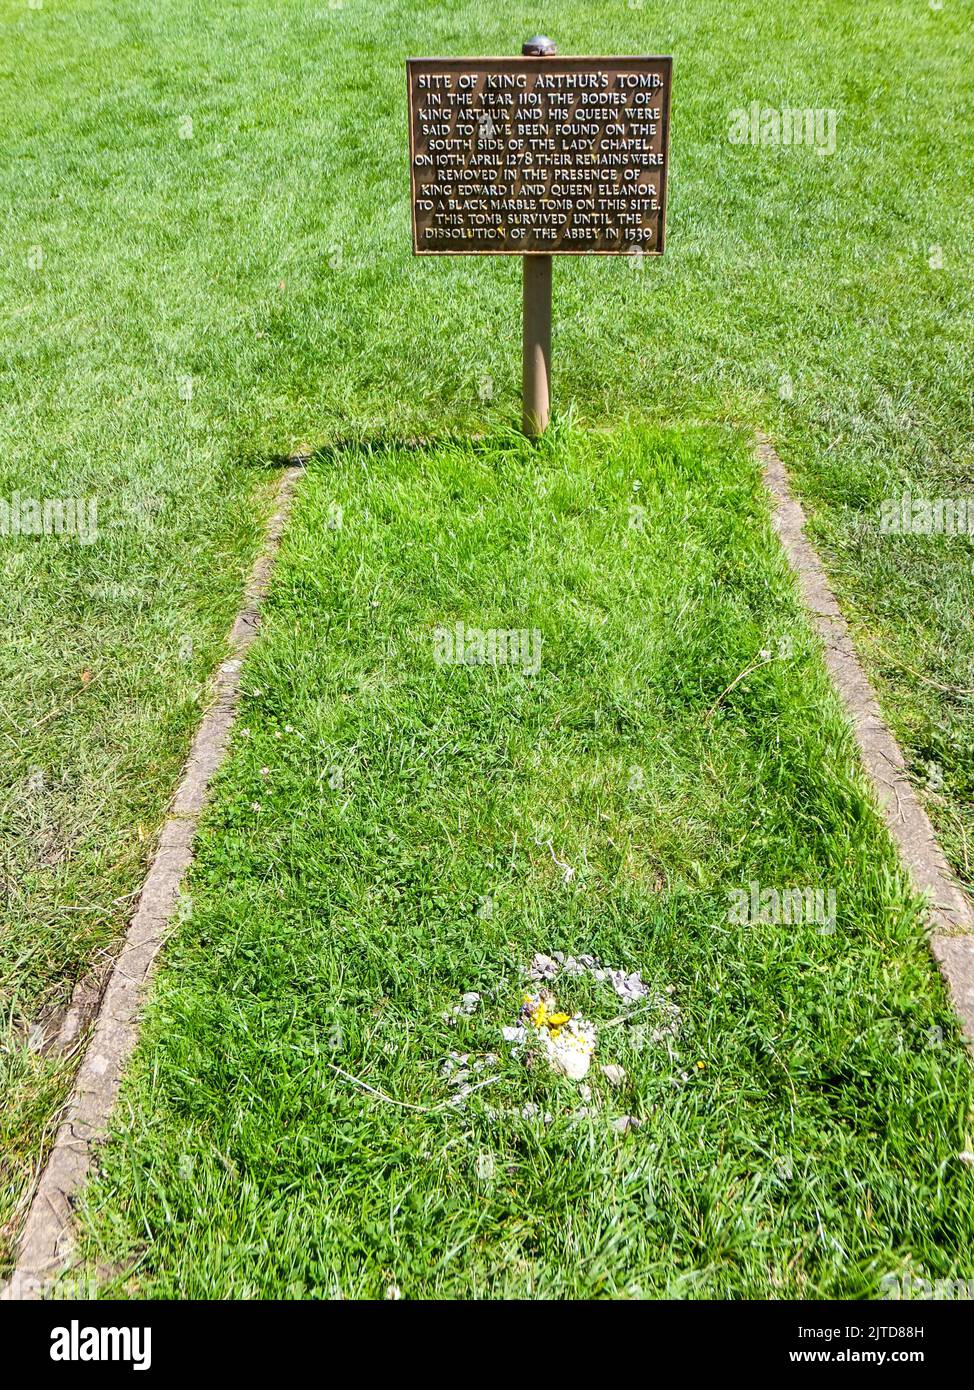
(536, 334)
(539, 156)
(536, 367)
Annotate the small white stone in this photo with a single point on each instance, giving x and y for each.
(615, 1075)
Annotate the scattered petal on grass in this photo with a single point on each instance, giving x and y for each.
(453, 1063)
(615, 1075)
(531, 1112)
(543, 967)
(624, 1123)
(465, 1009)
(628, 985)
(630, 988)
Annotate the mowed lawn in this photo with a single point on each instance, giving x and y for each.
(205, 267)
(397, 828)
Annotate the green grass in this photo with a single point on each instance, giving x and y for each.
(384, 839)
(264, 251)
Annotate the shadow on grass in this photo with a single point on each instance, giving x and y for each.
(563, 430)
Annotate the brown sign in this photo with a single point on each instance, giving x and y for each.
(545, 156)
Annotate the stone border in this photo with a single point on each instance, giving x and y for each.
(949, 914)
(46, 1242)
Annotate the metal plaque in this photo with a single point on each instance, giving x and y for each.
(538, 156)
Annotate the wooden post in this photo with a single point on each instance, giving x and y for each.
(536, 375)
(537, 344)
